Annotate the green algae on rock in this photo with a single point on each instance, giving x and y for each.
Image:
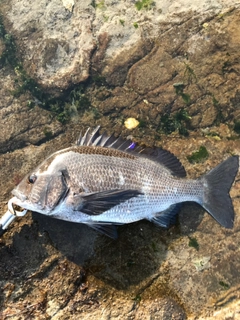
(198, 156)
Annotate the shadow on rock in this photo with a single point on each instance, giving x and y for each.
(24, 255)
(137, 253)
(74, 240)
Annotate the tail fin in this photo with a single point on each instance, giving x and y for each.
(216, 198)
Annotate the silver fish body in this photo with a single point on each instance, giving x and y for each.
(103, 181)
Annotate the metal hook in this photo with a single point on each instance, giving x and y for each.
(10, 215)
(13, 211)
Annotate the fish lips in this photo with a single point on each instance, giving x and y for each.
(22, 201)
(19, 195)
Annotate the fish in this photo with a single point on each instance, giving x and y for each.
(104, 181)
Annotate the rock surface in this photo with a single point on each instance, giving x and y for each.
(173, 66)
(51, 269)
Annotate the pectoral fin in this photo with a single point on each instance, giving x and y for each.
(98, 202)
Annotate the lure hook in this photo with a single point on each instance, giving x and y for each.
(10, 215)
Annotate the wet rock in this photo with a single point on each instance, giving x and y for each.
(21, 125)
(147, 50)
(55, 43)
(162, 71)
(115, 71)
(119, 99)
(144, 64)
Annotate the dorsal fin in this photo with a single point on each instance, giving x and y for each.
(103, 140)
(89, 138)
(164, 157)
(167, 159)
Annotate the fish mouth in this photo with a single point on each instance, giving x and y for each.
(19, 195)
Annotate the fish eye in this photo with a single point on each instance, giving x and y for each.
(32, 178)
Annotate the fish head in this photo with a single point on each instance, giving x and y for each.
(41, 191)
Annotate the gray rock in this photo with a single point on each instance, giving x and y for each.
(56, 44)
(144, 64)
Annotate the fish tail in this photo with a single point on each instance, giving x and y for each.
(217, 184)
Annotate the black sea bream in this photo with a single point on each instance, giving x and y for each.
(103, 181)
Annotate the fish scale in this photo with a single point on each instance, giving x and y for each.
(103, 181)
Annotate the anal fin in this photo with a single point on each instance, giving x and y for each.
(109, 230)
(168, 216)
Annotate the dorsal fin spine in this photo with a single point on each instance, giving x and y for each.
(163, 157)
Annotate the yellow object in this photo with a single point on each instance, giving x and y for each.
(205, 25)
(131, 123)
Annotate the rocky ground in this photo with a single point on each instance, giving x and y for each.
(67, 65)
